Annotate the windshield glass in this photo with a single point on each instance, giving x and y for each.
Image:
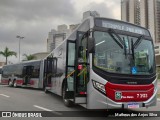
(124, 54)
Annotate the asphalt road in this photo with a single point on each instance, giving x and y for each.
(26, 99)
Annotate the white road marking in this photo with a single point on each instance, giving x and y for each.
(4, 95)
(42, 92)
(42, 108)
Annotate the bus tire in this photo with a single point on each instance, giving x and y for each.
(14, 84)
(10, 84)
(66, 102)
(45, 90)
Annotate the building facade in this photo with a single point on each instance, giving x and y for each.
(55, 37)
(145, 13)
(157, 53)
(130, 11)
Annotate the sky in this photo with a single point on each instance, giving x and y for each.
(33, 19)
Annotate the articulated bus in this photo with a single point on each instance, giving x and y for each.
(25, 74)
(103, 64)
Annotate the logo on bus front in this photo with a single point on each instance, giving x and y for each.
(118, 95)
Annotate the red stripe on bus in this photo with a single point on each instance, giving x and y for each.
(4, 81)
(19, 82)
(129, 93)
(82, 93)
(129, 87)
(31, 82)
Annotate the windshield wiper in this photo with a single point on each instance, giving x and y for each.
(121, 43)
(125, 48)
(139, 40)
(132, 48)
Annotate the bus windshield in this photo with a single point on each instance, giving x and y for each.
(123, 54)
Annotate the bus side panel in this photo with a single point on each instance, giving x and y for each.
(95, 100)
(0, 74)
(61, 68)
(4, 81)
(41, 74)
(34, 82)
(56, 82)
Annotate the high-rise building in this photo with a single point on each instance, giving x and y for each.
(56, 37)
(157, 22)
(90, 13)
(125, 10)
(143, 12)
(130, 11)
(50, 44)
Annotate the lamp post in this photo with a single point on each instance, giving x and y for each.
(20, 37)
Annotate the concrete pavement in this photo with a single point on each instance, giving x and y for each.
(25, 99)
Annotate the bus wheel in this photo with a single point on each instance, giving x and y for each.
(45, 90)
(14, 84)
(10, 83)
(66, 102)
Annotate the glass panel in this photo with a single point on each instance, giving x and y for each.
(71, 54)
(126, 54)
(70, 78)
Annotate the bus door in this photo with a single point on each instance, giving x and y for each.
(27, 74)
(81, 68)
(76, 70)
(70, 70)
(49, 70)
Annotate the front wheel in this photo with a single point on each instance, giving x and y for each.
(66, 102)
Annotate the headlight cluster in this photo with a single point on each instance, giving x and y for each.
(100, 87)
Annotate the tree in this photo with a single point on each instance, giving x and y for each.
(29, 57)
(6, 53)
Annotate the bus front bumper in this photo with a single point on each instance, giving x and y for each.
(150, 102)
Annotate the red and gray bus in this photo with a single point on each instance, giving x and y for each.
(25, 74)
(103, 64)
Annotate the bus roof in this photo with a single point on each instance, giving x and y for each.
(23, 62)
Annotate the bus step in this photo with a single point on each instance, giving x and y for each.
(48, 88)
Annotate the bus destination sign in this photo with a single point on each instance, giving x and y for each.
(121, 26)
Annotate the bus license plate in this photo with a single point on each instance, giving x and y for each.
(133, 105)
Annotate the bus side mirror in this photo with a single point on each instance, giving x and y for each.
(91, 45)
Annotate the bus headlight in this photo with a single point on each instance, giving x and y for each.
(100, 87)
